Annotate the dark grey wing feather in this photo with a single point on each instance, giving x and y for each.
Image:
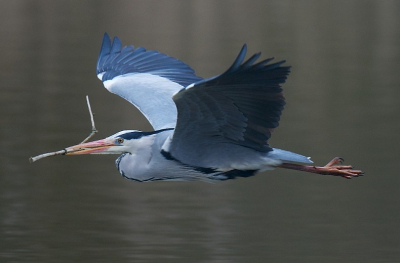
(238, 108)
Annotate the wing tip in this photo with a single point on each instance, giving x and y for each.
(114, 60)
(104, 50)
(106, 44)
(239, 65)
(116, 45)
(239, 59)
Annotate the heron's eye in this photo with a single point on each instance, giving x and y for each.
(120, 140)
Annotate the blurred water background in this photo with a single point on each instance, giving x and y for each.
(342, 100)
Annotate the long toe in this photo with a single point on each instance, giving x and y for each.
(343, 171)
(334, 161)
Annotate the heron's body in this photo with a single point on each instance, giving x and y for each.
(204, 129)
(151, 162)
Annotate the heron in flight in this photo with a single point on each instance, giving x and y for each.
(204, 129)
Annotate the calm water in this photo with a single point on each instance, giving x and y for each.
(343, 100)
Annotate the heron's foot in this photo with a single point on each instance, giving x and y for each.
(335, 168)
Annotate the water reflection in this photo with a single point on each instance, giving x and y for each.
(342, 99)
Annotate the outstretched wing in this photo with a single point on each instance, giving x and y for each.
(240, 107)
(147, 79)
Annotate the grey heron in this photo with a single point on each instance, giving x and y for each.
(204, 129)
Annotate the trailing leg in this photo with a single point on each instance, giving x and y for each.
(334, 168)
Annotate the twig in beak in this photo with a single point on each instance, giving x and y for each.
(44, 155)
(94, 130)
(64, 151)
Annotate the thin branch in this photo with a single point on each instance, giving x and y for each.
(64, 151)
(44, 155)
(94, 130)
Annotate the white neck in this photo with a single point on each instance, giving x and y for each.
(138, 158)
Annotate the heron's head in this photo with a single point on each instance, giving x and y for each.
(128, 141)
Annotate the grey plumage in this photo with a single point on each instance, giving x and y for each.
(216, 128)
